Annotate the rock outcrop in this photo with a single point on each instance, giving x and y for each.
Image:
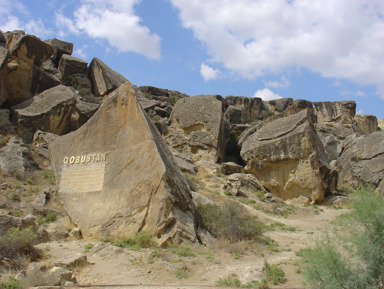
(366, 124)
(336, 112)
(197, 127)
(117, 177)
(49, 111)
(287, 156)
(27, 54)
(3, 73)
(362, 161)
(103, 78)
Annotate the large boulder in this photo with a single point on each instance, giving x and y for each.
(116, 176)
(49, 111)
(198, 128)
(103, 78)
(25, 65)
(366, 124)
(362, 161)
(287, 156)
(337, 112)
(380, 123)
(3, 73)
(252, 108)
(70, 65)
(60, 47)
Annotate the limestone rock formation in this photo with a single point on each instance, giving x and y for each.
(60, 47)
(3, 73)
(49, 111)
(27, 54)
(103, 78)
(197, 127)
(70, 65)
(380, 123)
(337, 112)
(40, 148)
(117, 177)
(362, 161)
(287, 156)
(366, 124)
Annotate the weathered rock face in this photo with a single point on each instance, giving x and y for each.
(60, 47)
(334, 136)
(338, 112)
(362, 161)
(197, 127)
(366, 124)
(380, 123)
(117, 177)
(103, 78)
(288, 158)
(3, 73)
(27, 54)
(40, 148)
(49, 111)
(70, 65)
(251, 108)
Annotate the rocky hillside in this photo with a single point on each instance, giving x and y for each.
(130, 159)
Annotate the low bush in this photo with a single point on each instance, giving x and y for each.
(353, 255)
(140, 240)
(17, 245)
(12, 283)
(230, 281)
(273, 273)
(230, 222)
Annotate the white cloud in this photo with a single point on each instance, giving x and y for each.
(114, 21)
(36, 27)
(360, 111)
(65, 25)
(81, 52)
(342, 39)
(283, 82)
(208, 73)
(266, 94)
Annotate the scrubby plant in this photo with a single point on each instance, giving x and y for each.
(273, 273)
(17, 245)
(142, 239)
(230, 222)
(353, 255)
(12, 283)
(182, 273)
(230, 281)
(49, 176)
(183, 251)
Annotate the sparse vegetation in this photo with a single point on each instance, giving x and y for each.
(273, 273)
(140, 240)
(12, 283)
(17, 245)
(230, 281)
(230, 222)
(88, 247)
(49, 176)
(182, 273)
(183, 251)
(351, 256)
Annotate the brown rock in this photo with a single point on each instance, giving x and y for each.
(49, 111)
(3, 73)
(288, 158)
(104, 79)
(380, 123)
(25, 65)
(116, 176)
(70, 65)
(231, 168)
(366, 124)
(40, 148)
(339, 111)
(362, 161)
(60, 47)
(197, 127)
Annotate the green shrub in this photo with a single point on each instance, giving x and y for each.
(353, 255)
(274, 274)
(17, 245)
(12, 283)
(230, 281)
(140, 240)
(15, 197)
(51, 217)
(230, 222)
(183, 251)
(182, 273)
(49, 176)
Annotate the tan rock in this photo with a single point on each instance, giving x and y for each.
(366, 124)
(117, 177)
(288, 158)
(338, 111)
(3, 73)
(49, 111)
(380, 123)
(25, 66)
(197, 127)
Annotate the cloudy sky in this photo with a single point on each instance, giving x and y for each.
(319, 50)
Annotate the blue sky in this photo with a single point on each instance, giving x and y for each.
(319, 50)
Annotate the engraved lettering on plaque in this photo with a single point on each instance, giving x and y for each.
(82, 178)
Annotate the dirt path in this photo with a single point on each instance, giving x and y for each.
(113, 265)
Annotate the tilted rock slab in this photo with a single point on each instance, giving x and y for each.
(362, 161)
(198, 128)
(104, 79)
(116, 176)
(49, 111)
(288, 158)
(3, 73)
(366, 123)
